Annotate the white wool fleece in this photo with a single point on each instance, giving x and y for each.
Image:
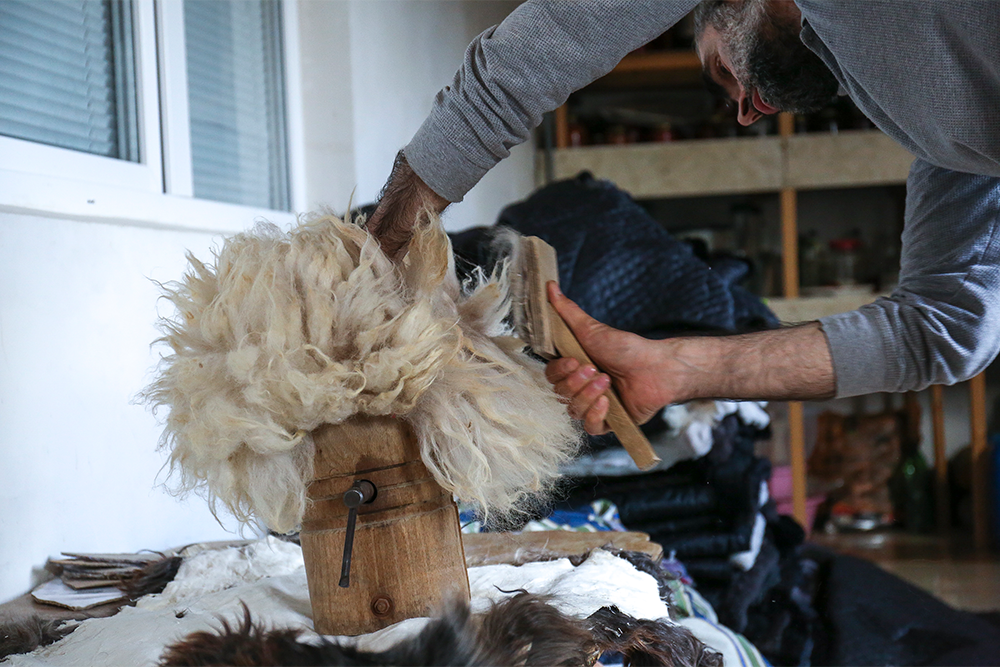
(289, 331)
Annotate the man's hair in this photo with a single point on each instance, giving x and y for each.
(719, 14)
(715, 13)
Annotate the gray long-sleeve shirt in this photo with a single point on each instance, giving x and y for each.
(927, 72)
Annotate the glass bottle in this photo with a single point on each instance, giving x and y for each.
(910, 486)
(845, 253)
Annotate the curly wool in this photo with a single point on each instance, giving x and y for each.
(289, 331)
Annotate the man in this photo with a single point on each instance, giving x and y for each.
(927, 72)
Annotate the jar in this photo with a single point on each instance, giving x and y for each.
(663, 132)
(845, 257)
(578, 135)
(813, 260)
(617, 134)
(829, 120)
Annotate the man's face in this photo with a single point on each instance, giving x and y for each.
(759, 61)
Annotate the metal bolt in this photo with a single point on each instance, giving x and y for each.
(382, 606)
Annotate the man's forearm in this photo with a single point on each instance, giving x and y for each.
(792, 363)
(404, 199)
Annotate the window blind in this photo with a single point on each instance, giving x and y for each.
(237, 102)
(67, 75)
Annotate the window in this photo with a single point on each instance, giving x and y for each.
(236, 102)
(67, 75)
(178, 98)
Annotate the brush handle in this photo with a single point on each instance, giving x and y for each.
(630, 435)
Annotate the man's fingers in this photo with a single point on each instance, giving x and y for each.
(578, 384)
(594, 419)
(558, 369)
(583, 399)
(573, 315)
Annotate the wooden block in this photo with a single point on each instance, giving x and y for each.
(514, 548)
(407, 558)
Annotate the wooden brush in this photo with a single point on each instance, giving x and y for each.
(549, 336)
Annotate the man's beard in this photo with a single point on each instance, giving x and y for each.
(769, 56)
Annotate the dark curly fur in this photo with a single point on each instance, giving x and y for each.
(523, 630)
(28, 634)
(645, 642)
(151, 578)
(446, 641)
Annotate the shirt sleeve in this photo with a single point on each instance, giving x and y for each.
(942, 325)
(516, 71)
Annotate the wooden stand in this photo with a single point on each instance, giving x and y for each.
(407, 560)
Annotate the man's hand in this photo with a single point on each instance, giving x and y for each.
(632, 361)
(404, 199)
(792, 363)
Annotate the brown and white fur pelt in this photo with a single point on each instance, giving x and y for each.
(288, 331)
(26, 634)
(522, 630)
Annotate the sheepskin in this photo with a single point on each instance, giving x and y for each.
(287, 331)
(525, 630)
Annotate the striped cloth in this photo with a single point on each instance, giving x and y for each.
(698, 616)
(693, 611)
(600, 515)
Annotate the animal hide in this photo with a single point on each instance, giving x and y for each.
(522, 630)
(151, 578)
(289, 331)
(25, 635)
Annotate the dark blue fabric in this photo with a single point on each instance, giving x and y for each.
(626, 270)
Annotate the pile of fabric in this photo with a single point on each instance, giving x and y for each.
(714, 517)
(248, 604)
(707, 504)
(623, 268)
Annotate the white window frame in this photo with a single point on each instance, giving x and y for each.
(157, 191)
(28, 156)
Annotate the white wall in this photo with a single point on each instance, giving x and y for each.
(79, 466)
(402, 53)
(78, 460)
(327, 104)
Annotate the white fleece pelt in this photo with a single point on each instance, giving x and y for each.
(289, 331)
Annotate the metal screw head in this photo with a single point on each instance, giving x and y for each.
(382, 606)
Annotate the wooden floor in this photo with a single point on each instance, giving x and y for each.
(947, 567)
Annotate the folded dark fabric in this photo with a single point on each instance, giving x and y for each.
(661, 494)
(626, 270)
(784, 530)
(710, 571)
(732, 599)
(707, 523)
(870, 617)
(782, 624)
(731, 455)
(707, 544)
(736, 504)
(643, 507)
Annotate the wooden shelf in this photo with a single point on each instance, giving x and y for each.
(680, 168)
(809, 308)
(849, 159)
(741, 166)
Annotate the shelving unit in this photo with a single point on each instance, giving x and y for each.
(782, 164)
(745, 165)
